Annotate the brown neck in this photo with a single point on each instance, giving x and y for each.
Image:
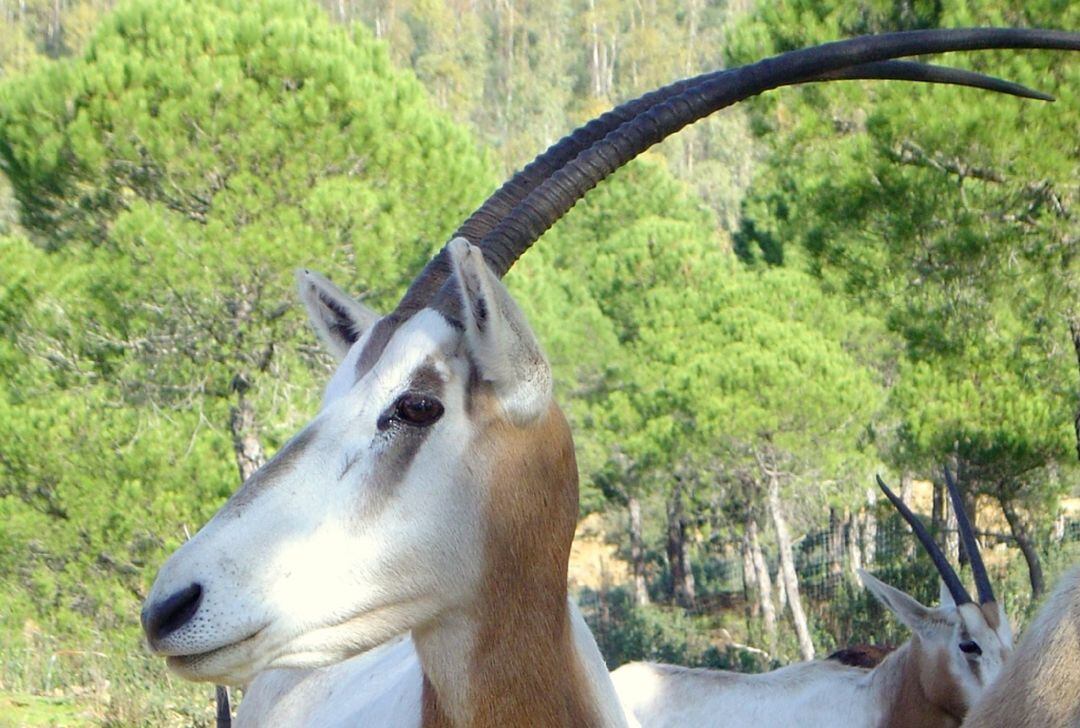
(509, 658)
(918, 689)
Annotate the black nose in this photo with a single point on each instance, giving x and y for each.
(162, 619)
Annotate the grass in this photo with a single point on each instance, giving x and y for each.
(19, 709)
(93, 684)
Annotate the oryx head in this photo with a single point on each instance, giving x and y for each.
(438, 474)
(374, 518)
(959, 646)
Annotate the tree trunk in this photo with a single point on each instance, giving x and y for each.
(835, 545)
(249, 452)
(950, 536)
(971, 508)
(943, 523)
(1058, 533)
(1074, 329)
(868, 528)
(781, 590)
(768, 612)
(751, 586)
(594, 38)
(682, 577)
(1027, 548)
(853, 540)
(637, 551)
(907, 489)
(937, 515)
(787, 568)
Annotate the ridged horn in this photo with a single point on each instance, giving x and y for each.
(952, 581)
(549, 201)
(500, 204)
(503, 200)
(971, 546)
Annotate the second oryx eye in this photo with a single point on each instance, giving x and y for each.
(970, 648)
(418, 410)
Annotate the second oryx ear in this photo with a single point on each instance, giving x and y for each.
(338, 319)
(945, 597)
(499, 339)
(908, 610)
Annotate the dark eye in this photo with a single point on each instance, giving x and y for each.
(970, 648)
(417, 409)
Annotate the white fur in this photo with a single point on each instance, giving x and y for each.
(806, 695)
(612, 712)
(344, 377)
(820, 693)
(310, 606)
(506, 351)
(315, 290)
(382, 687)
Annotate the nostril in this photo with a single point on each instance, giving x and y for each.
(162, 619)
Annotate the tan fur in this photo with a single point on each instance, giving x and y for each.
(923, 693)
(431, 713)
(992, 613)
(1040, 686)
(522, 670)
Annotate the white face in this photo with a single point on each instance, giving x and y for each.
(371, 521)
(348, 537)
(977, 643)
(963, 648)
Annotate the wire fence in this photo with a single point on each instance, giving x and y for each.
(827, 560)
(724, 627)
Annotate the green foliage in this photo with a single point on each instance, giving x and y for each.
(659, 634)
(213, 115)
(947, 215)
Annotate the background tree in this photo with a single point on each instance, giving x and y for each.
(953, 222)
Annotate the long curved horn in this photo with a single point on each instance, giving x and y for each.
(513, 191)
(485, 218)
(978, 568)
(930, 73)
(559, 192)
(952, 581)
(501, 202)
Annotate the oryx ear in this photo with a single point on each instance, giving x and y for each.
(914, 616)
(945, 597)
(499, 338)
(336, 317)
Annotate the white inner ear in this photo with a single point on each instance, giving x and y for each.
(907, 609)
(337, 318)
(499, 338)
(945, 597)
